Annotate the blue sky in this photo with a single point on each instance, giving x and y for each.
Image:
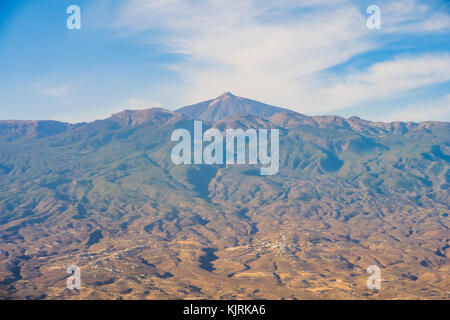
(315, 57)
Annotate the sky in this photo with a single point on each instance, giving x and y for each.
(314, 57)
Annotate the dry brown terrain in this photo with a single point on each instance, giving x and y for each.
(105, 197)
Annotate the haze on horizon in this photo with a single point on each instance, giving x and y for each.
(313, 57)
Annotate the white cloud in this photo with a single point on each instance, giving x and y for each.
(142, 104)
(51, 91)
(262, 50)
(251, 48)
(437, 110)
(382, 80)
(412, 16)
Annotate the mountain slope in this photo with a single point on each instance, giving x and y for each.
(105, 196)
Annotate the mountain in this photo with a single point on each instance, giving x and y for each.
(15, 129)
(105, 196)
(157, 116)
(228, 105)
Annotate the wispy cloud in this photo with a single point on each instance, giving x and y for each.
(437, 109)
(252, 49)
(282, 52)
(412, 16)
(141, 104)
(51, 91)
(380, 81)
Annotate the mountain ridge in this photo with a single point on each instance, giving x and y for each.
(222, 110)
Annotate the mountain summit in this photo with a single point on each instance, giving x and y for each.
(227, 105)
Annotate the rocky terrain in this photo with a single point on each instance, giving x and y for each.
(106, 197)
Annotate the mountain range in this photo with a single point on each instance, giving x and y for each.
(105, 196)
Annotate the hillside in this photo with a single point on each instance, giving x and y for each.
(105, 196)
